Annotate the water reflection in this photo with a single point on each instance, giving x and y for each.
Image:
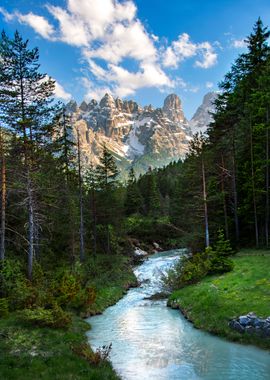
(151, 341)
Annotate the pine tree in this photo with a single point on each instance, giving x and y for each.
(107, 173)
(133, 201)
(25, 96)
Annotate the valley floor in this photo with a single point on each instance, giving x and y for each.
(211, 303)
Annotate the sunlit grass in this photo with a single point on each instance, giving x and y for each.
(211, 303)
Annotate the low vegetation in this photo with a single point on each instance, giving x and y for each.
(192, 268)
(216, 299)
(31, 352)
(40, 334)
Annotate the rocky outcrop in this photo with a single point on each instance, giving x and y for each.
(251, 324)
(172, 108)
(135, 136)
(202, 117)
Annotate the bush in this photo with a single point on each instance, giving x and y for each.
(65, 287)
(96, 358)
(192, 269)
(55, 317)
(3, 307)
(188, 270)
(84, 298)
(14, 286)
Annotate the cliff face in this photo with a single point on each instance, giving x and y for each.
(202, 117)
(136, 136)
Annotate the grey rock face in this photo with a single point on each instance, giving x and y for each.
(172, 108)
(133, 134)
(202, 117)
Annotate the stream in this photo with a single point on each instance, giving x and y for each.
(152, 341)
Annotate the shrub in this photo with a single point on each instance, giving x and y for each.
(55, 317)
(65, 287)
(84, 298)
(188, 270)
(14, 286)
(3, 307)
(96, 358)
(192, 269)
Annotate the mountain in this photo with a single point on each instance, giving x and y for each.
(202, 117)
(137, 136)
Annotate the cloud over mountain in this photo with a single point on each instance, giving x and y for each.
(109, 33)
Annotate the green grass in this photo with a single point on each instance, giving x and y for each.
(211, 303)
(28, 352)
(111, 282)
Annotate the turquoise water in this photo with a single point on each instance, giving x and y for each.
(151, 341)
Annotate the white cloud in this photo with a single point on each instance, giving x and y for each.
(124, 83)
(92, 91)
(209, 84)
(179, 50)
(38, 23)
(110, 31)
(184, 48)
(7, 16)
(208, 56)
(60, 92)
(238, 44)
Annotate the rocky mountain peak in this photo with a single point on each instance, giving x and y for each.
(84, 106)
(172, 108)
(137, 136)
(72, 106)
(202, 117)
(107, 101)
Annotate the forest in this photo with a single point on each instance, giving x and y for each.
(68, 231)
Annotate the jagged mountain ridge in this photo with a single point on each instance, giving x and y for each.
(136, 136)
(202, 116)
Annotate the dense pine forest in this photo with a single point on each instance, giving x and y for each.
(68, 231)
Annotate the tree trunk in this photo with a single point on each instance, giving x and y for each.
(267, 182)
(205, 207)
(224, 199)
(31, 227)
(253, 188)
(108, 239)
(82, 253)
(3, 198)
(94, 214)
(235, 196)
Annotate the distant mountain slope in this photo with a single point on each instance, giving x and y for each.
(202, 117)
(136, 136)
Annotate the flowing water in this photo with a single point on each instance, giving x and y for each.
(152, 341)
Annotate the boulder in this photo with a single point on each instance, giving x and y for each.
(139, 252)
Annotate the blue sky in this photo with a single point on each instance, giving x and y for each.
(135, 49)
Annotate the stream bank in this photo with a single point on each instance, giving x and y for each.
(216, 300)
(150, 340)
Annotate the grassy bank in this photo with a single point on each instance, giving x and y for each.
(28, 352)
(34, 352)
(212, 302)
(111, 280)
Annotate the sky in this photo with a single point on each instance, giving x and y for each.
(135, 49)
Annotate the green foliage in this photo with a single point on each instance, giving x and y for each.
(14, 286)
(3, 307)
(95, 358)
(188, 270)
(28, 351)
(222, 246)
(212, 302)
(191, 269)
(55, 317)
